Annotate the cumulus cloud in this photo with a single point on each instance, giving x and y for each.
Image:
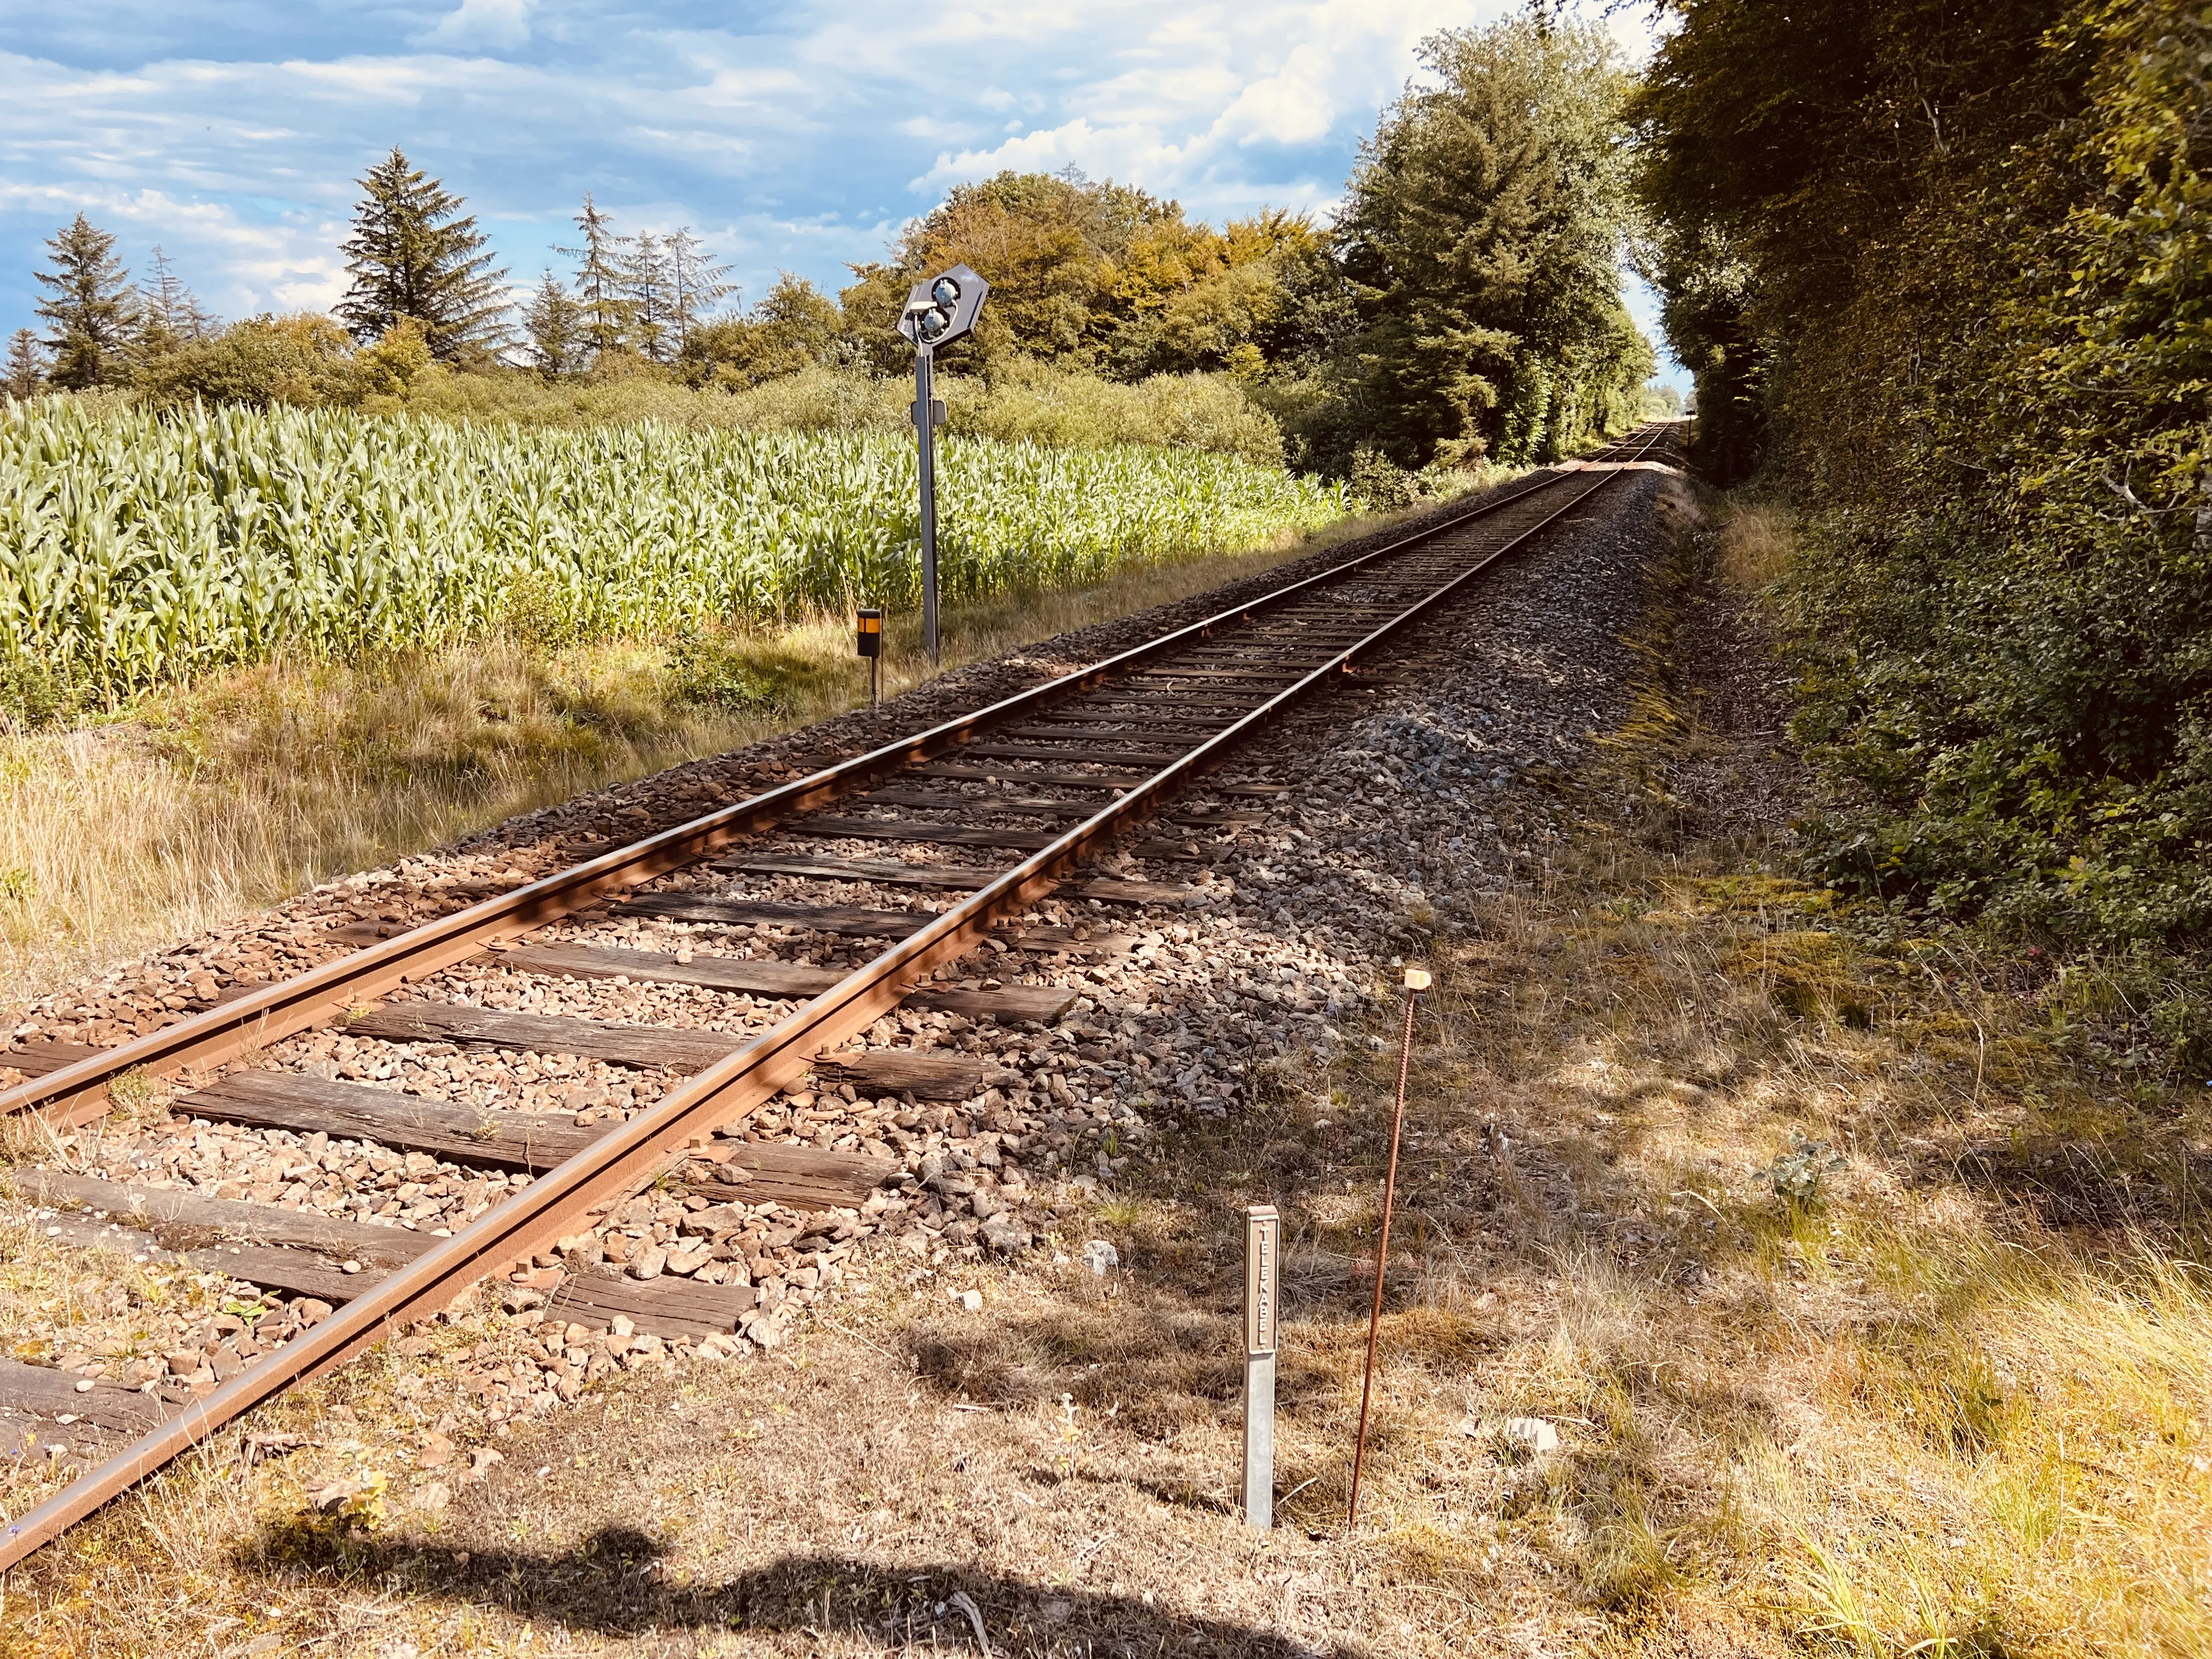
(800, 139)
(482, 23)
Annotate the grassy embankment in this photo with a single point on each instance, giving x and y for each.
(1863, 1296)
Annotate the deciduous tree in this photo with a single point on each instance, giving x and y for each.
(795, 325)
(1484, 233)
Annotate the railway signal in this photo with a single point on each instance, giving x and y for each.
(937, 312)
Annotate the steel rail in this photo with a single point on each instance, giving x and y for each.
(635, 1153)
(75, 1093)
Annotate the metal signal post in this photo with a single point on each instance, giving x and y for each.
(938, 313)
(926, 420)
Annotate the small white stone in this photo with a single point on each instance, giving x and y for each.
(1101, 1257)
(1533, 1432)
(972, 1301)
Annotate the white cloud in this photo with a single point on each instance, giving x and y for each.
(801, 141)
(482, 23)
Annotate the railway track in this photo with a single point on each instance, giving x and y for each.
(473, 1059)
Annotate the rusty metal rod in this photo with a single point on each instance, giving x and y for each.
(1417, 982)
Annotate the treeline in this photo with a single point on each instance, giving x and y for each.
(1465, 306)
(1945, 274)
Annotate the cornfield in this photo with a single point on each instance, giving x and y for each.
(137, 549)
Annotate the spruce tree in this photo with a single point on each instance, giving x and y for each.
(92, 307)
(414, 253)
(170, 311)
(26, 370)
(647, 284)
(695, 283)
(554, 324)
(601, 281)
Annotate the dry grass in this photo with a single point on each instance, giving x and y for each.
(197, 807)
(1755, 542)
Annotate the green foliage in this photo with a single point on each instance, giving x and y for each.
(719, 668)
(1969, 264)
(553, 327)
(414, 255)
(136, 549)
(91, 305)
(302, 360)
(795, 326)
(1796, 1175)
(1101, 276)
(1482, 236)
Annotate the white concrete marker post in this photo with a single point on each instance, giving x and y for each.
(1263, 1278)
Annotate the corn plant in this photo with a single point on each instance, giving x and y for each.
(138, 550)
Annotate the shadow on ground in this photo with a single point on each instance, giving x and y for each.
(616, 1584)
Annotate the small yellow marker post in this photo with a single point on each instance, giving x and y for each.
(868, 630)
(1417, 981)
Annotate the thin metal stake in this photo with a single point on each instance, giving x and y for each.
(1417, 981)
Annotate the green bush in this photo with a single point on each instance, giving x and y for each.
(303, 361)
(1976, 347)
(715, 668)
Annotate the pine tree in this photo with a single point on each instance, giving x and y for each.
(695, 283)
(92, 307)
(601, 283)
(647, 278)
(169, 314)
(414, 253)
(169, 311)
(26, 369)
(554, 324)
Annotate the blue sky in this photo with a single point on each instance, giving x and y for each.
(793, 136)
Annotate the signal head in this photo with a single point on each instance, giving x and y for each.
(943, 309)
